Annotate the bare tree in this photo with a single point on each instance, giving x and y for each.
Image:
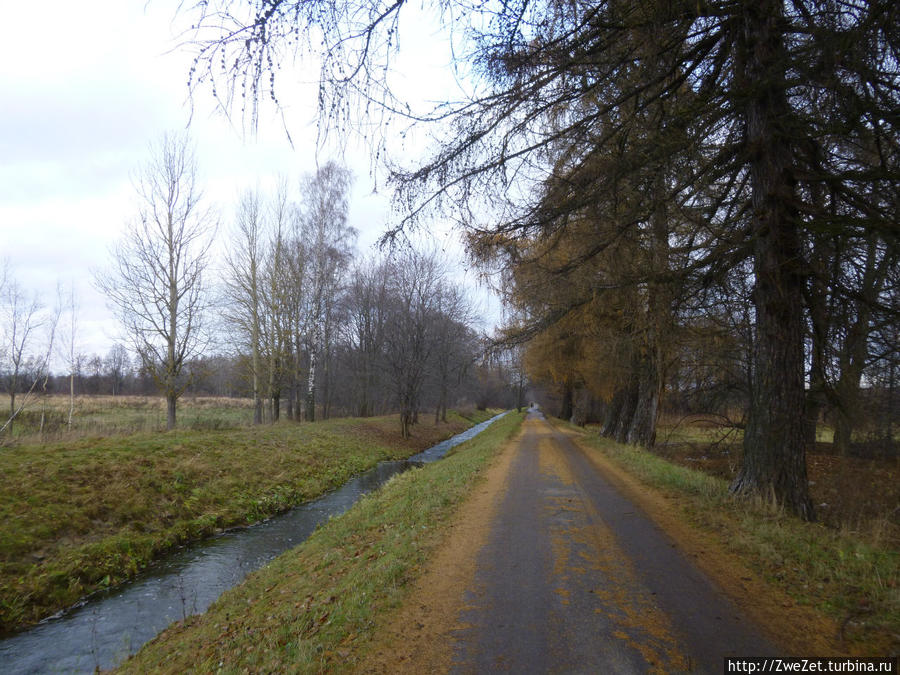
(411, 325)
(452, 353)
(157, 281)
(324, 197)
(116, 365)
(364, 329)
(24, 361)
(277, 310)
(243, 281)
(70, 337)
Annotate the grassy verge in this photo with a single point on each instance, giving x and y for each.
(852, 579)
(313, 609)
(80, 515)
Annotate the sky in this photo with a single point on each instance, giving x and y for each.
(84, 94)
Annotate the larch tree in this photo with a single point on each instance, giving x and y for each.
(771, 98)
(157, 283)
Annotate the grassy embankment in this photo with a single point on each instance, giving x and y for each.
(851, 576)
(82, 514)
(313, 609)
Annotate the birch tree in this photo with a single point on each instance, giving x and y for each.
(324, 203)
(156, 284)
(69, 347)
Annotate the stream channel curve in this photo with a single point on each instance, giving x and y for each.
(109, 625)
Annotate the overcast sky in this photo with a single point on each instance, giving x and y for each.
(85, 92)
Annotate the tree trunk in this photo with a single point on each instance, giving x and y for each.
(855, 350)
(774, 465)
(626, 413)
(848, 410)
(326, 386)
(257, 399)
(613, 411)
(12, 408)
(405, 421)
(440, 413)
(171, 399)
(649, 366)
(72, 399)
(566, 410)
(172, 336)
(642, 429)
(815, 397)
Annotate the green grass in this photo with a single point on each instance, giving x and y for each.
(79, 515)
(839, 572)
(314, 608)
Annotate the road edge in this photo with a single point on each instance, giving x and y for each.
(416, 637)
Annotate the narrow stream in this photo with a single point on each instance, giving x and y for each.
(108, 626)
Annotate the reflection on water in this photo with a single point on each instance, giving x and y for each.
(113, 624)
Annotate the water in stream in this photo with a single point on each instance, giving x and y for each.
(110, 625)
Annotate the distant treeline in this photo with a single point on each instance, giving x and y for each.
(486, 384)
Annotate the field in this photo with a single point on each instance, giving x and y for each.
(106, 415)
(88, 511)
(854, 494)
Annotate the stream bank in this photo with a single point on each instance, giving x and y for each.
(115, 623)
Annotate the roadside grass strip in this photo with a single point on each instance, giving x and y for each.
(80, 515)
(851, 578)
(314, 608)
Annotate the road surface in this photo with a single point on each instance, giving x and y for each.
(565, 576)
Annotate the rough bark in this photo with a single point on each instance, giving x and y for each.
(774, 465)
(642, 426)
(566, 409)
(613, 412)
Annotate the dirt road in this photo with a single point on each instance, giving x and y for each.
(551, 569)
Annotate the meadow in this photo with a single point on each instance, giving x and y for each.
(47, 418)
